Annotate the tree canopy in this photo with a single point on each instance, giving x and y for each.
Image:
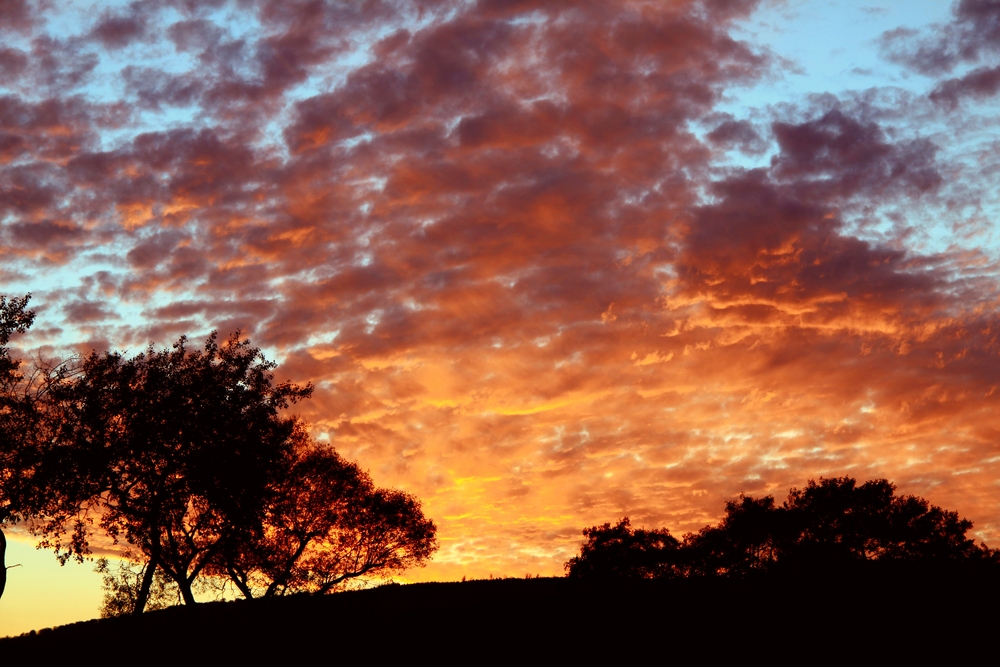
(171, 451)
(187, 460)
(620, 551)
(829, 523)
(328, 524)
(16, 414)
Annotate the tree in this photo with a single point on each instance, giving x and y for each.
(751, 537)
(621, 552)
(122, 586)
(184, 458)
(16, 417)
(831, 523)
(328, 524)
(172, 451)
(837, 520)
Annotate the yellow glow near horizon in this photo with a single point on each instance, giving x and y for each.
(41, 593)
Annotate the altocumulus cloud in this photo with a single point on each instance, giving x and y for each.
(540, 277)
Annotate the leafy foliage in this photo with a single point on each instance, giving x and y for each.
(171, 451)
(826, 524)
(123, 584)
(326, 525)
(622, 552)
(185, 458)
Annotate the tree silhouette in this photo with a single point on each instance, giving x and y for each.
(327, 524)
(832, 523)
(123, 583)
(17, 416)
(621, 552)
(838, 520)
(185, 459)
(171, 450)
(752, 536)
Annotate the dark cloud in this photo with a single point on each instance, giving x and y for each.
(89, 311)
(19, 15)
(44, 235)
(13, 63)
(154, 88)
(981, 83)
(973, 36)
(115, 31)
(845, 156)
(61, 64)
(739, 134)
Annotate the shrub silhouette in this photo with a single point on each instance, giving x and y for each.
(832, 523)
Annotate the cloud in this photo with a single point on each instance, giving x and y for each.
(971, 37)
(19, 15)
(115, 31)
(527, 287)
(980, 83)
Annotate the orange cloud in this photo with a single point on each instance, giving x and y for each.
(509, 260)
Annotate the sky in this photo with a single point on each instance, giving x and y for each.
(547, 264)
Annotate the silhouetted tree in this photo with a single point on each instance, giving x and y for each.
(837, 520)
(827, 524)
(751, 537)
(173, 451)
(123, 583)
(327, 524)
(17, 415)
(621, 552)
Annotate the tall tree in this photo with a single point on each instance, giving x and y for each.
(16, 414)
(171, 450)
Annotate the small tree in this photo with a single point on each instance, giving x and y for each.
(328, 524)
(385, 533)
(619, 552)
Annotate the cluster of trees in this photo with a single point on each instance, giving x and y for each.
(826, 524)
(185, 459)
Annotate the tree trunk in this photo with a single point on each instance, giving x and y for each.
(186, 593)
(240, 583)
(147, 582)
(3, 563)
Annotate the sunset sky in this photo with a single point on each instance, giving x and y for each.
(547, 263)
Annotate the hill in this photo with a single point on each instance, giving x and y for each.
(875, 611)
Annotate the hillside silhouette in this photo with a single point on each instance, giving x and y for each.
(871, 612)
(840, 567)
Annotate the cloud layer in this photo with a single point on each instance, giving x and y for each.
(539, 278)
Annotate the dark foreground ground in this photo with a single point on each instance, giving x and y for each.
(861, 616)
